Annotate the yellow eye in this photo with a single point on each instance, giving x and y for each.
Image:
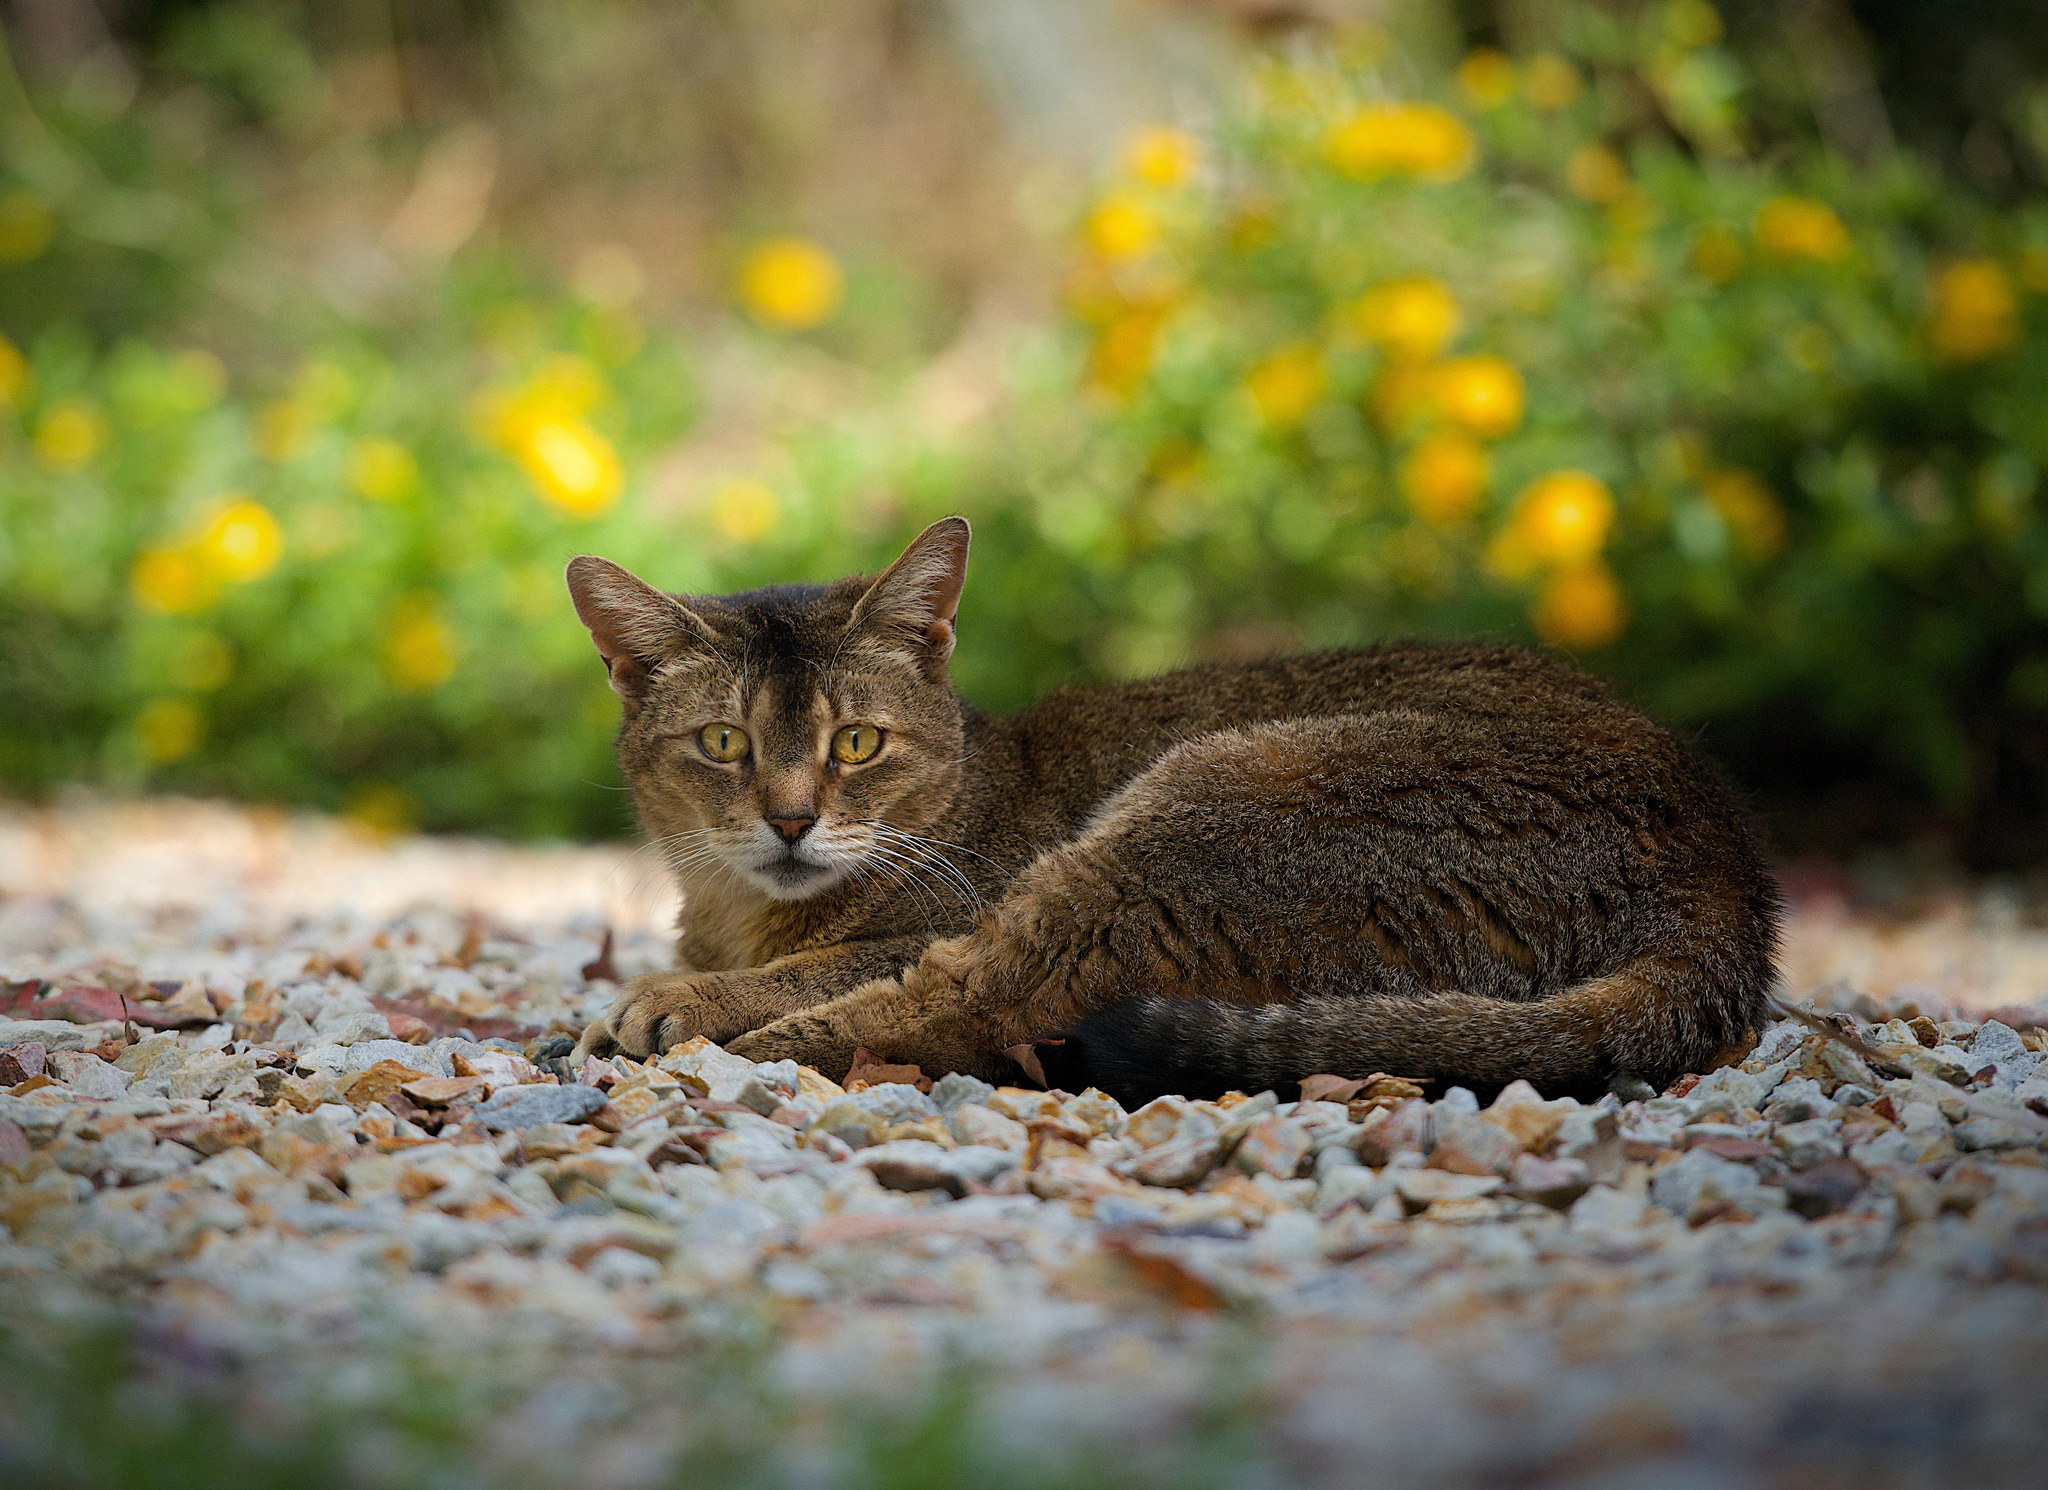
(724, 743)
(856, 743)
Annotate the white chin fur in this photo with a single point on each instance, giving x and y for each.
(821, 878)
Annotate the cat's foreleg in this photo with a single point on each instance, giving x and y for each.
(1078, 933)
(660, 1010)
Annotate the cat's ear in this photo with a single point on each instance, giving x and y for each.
(918, 595)
(634, 625)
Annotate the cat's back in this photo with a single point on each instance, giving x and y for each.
(1066, 753)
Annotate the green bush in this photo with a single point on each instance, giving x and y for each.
(1545, 350)
(1551, 347)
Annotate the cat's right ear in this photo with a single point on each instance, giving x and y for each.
(634, 625)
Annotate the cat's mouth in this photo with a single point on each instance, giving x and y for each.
(795, 872)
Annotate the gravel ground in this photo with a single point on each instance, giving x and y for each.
(284, 1114)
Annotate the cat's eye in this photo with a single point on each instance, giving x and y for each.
(856, 743)
(724, 743)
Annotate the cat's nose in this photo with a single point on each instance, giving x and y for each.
(792, 828)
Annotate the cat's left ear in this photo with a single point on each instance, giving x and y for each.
(918, 595)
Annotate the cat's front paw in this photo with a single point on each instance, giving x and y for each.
(657, 1011)
(820, 1041)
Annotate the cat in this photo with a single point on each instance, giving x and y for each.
(1459, 864)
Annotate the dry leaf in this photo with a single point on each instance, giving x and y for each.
(1326, 1088)
(602, 965)
(1026, 1057)
(870, 1069)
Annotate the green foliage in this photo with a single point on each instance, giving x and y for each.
(1780, 452)
(1550, 348)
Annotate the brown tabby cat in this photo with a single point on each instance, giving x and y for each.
(1468, 864)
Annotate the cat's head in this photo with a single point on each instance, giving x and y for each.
(790, 735)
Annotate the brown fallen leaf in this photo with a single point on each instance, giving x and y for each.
(602, 965)
(1026, 1056)
(1327, 1088)
(870, 1069)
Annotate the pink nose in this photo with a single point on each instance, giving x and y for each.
(791, 828)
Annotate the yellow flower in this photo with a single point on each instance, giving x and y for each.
(1162, 155)
(205, 662)
(1550, 82)
(1717, 253)
(173, 580)
(1120, 227)
(1487, 77)
(1801, 228)
(744, 509)
(1751, 512)
(1122, 353)
(14, 373)
(791, 283)
(383, 470)
(1416, 139)
(1483, 392)
(324, 391)
(1580, 607)
(1287, 384)
(70, 434)
(572, 464)
(1563, 518)
(281, 429)
(381, 810)
(168, 729)
(1443, 478)
(2033, 272)
(1976, 313)
(1403, 393)
(419, 646)
(26, 228)
(1411, 318)
(1596, 174)
(243, 542)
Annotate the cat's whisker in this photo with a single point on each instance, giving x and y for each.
(896, 878)
(948, 872)
(910, 868)
(931, 849)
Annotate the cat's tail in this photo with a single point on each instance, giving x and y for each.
(1653, 1020)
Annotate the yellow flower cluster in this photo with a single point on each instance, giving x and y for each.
(238, 542)
(1122, 286)
(1487, 77)
(542, 425)
(1801, 228)
(1160, 155)
(791, 284)
(168, 729)
(69, 434)
(1750, 510)
(15, 376)
(1412, 318)
(744, 509)
(419, 645)
(383, 470)
(26, 227)
(1400, 139)
(1975, 312)
(1287, 384)
(1560, 523)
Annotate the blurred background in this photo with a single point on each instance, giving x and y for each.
(1706, 343)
